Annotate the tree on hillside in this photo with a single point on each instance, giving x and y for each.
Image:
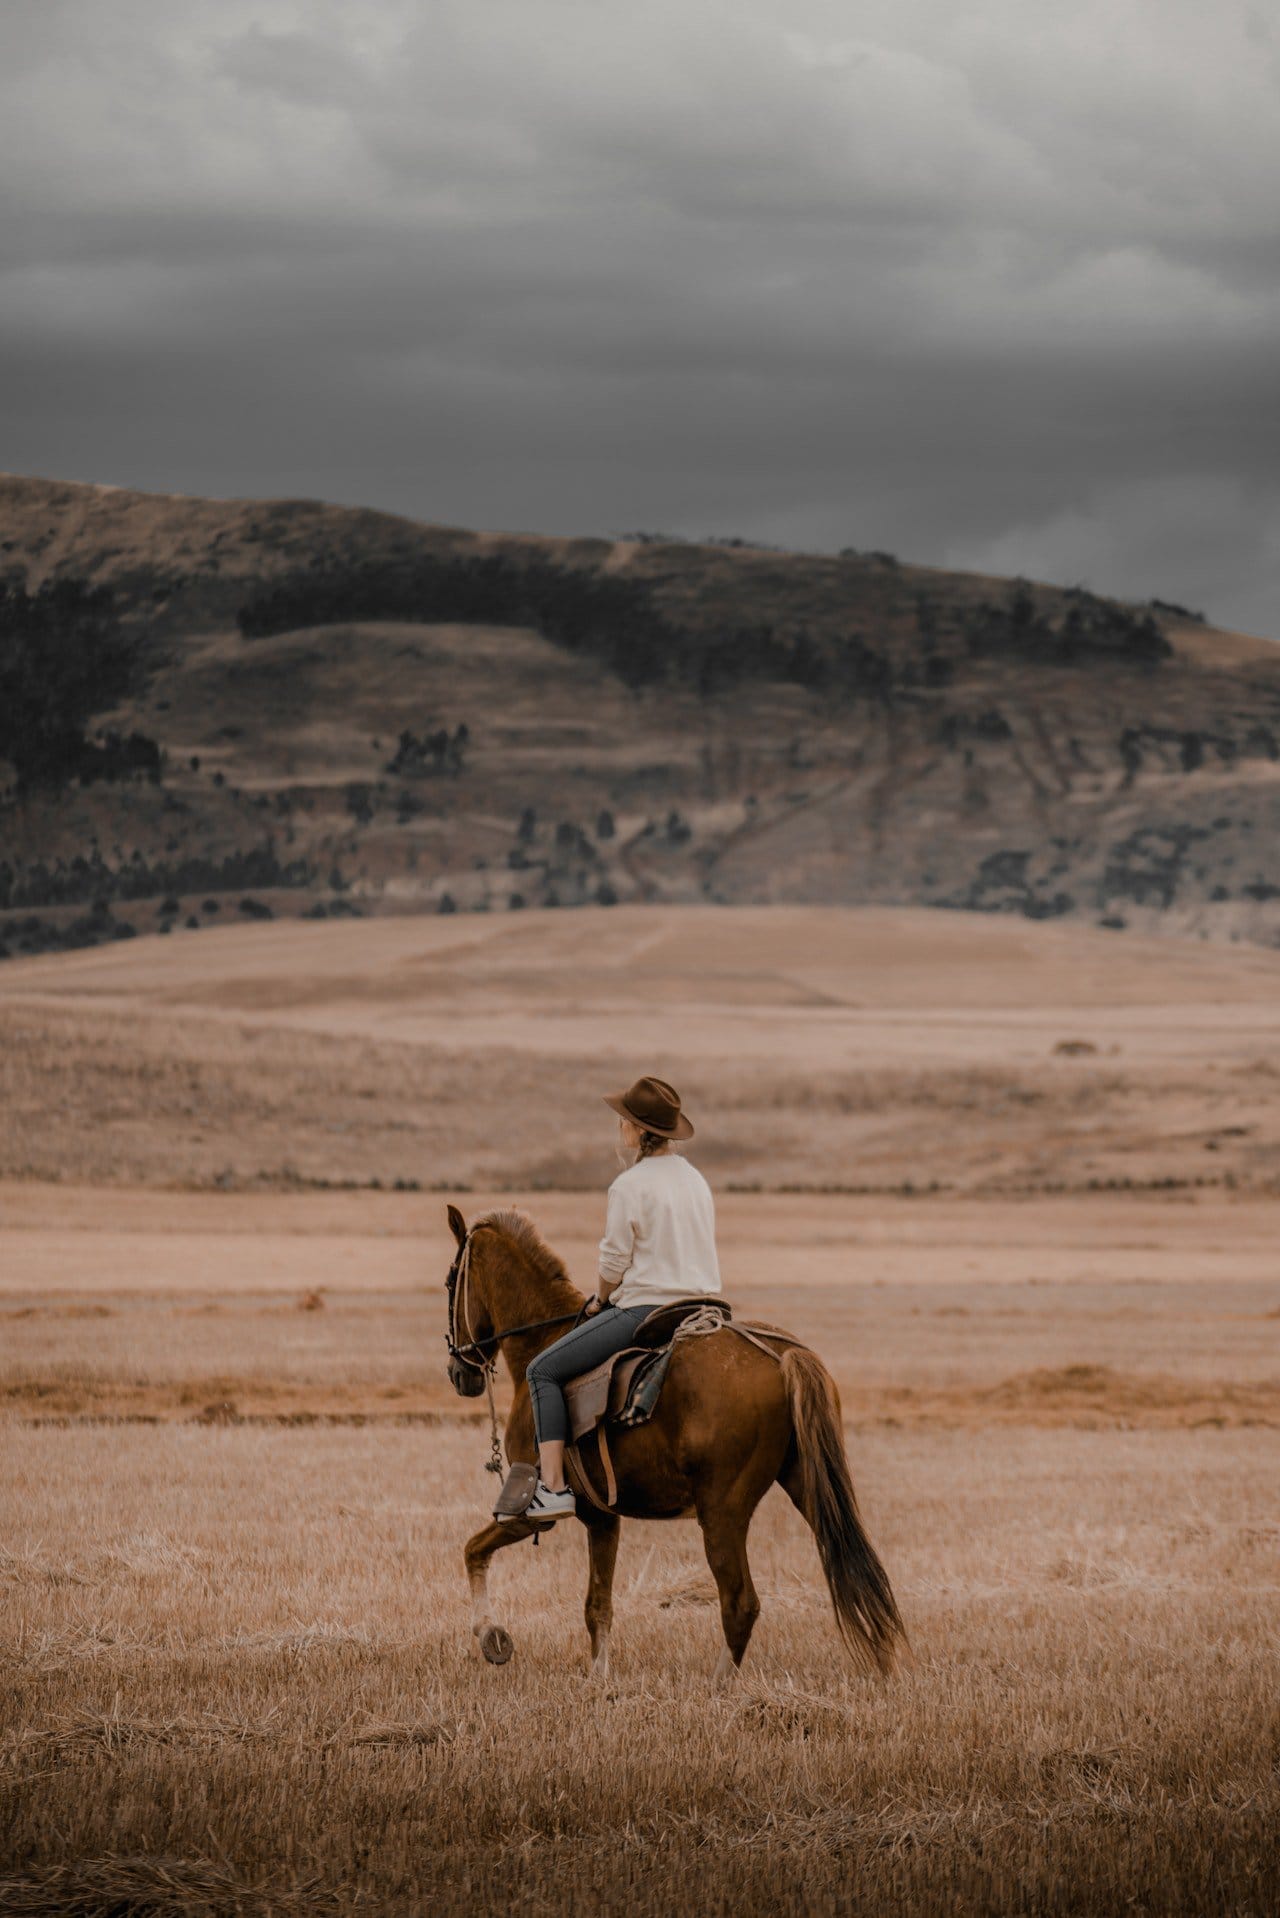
(436, 752)
(64, 657)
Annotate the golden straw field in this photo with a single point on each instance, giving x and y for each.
(235, 1656)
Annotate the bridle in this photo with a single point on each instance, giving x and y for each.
(456, 1291)
(456, 1286)
(470, 1351)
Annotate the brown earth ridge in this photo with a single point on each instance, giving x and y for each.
(342, 712)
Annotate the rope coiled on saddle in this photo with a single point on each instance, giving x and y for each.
(714, 1317)
(707, 1318)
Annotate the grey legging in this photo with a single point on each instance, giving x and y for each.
(587, 1345)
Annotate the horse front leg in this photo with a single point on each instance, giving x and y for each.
(520, 1447)
(495, 1642)
(602, 1545)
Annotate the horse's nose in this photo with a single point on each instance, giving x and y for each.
(464, 1381)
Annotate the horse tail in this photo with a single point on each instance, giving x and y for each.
(861, 1595)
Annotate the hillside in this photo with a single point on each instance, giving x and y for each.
(224, 708)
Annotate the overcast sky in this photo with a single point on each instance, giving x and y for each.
(990, 285)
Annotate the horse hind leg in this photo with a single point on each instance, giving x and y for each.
(495, 1641)
(724, 1536)
(602, 1544)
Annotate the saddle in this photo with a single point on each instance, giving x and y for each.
(624, 1390)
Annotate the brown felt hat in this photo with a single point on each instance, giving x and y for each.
(654, 1106)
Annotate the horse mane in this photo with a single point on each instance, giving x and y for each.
(519, 1231)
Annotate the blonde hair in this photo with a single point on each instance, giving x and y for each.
(649, 1143)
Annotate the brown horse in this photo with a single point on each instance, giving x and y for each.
(730, 1422)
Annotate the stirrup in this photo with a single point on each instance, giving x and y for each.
(517, 1492)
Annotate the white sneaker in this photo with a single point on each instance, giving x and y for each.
(548, 1504)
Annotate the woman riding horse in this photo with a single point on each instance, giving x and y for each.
(744, 1408)
(659, 1244)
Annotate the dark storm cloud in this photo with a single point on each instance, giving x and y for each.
(993, 287)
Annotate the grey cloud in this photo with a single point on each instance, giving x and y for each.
(1000, 285)
(293, 66)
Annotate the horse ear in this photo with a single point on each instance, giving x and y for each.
(458, 1223)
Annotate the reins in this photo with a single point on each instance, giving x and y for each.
(459, 1352)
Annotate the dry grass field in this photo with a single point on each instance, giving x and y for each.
(827, 1049)
(235, 1658)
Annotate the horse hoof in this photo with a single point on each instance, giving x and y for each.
(496, 1644)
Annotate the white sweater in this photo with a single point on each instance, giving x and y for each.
(660, 1233)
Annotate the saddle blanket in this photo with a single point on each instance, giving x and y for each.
(625, 1388)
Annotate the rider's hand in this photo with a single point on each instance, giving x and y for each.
(594, 1306)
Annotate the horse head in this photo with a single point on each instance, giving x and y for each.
(470, 1333)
